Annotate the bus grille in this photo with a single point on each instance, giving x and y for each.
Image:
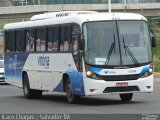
(120, 77)
(121, 89)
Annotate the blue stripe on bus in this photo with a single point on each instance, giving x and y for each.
(77, 83)
(59, 87)
(14, 64)
(95, 70)
(145, 69)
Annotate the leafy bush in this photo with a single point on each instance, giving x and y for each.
(156, 56)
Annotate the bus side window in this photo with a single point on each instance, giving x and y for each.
(20, 41)
(27, 39)
(41, 39)
(52, 44)
(61, 40)
(30, 38)
(74, 39)
(64, 38)
(10, 41)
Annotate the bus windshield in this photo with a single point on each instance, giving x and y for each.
(117, 43)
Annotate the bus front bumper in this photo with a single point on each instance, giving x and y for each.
(94, 87)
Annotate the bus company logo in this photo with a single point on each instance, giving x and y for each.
(43, 61)
(131, 71)
(13, 65)
(110, 72)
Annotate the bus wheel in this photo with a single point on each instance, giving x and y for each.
(70, 96)
(30, 93)
(126, 97)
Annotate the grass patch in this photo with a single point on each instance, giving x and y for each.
(156, 56)
(156, 62)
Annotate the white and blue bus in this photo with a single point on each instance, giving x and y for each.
(81, 53)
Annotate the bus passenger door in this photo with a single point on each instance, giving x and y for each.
(75, 46)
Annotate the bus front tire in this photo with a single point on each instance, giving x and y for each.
(126, 97)
(71, 97)
(30, 93)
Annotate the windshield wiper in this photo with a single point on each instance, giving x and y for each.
(130, 52)
(112, 47)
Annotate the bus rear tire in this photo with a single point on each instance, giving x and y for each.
(71, 97)
(30, 93)
(126, 97)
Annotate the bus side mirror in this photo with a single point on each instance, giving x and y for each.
(81, 44)
(153, 39)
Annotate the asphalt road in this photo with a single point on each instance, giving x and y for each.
(12, 101)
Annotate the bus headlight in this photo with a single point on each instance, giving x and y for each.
(147, 73)
(90, 74)
(150, 71)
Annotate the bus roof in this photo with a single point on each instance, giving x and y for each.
(78, 17)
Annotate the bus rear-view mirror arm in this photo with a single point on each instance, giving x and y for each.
(153, 41)
(81, 44)
(153, 38)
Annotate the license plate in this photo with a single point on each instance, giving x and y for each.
(122, 84)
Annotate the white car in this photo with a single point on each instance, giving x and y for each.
(1, 32)
(2, 78)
